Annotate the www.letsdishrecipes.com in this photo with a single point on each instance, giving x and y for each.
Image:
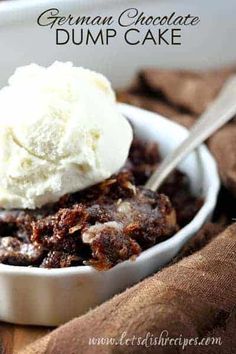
(163, 340)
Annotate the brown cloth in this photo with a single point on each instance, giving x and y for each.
(195, 297)
(223, 146)
(177, 94)
(191, 91)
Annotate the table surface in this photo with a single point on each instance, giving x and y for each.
(14, 338)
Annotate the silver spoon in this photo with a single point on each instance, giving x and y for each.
(220, 112)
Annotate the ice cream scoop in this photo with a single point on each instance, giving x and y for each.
(60, 132)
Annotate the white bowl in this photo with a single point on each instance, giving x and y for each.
(53, 296)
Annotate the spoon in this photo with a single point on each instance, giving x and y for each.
(219, 112)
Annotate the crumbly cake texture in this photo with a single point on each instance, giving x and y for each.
(103, 225)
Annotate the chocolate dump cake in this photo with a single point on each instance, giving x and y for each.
(101, 225)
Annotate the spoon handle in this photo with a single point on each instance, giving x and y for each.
(219, 112)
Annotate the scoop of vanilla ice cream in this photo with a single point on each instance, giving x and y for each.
(60, 132)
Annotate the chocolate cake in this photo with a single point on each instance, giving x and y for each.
(103, 225)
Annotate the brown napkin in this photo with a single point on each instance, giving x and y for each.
(177, 94)
(188, 90)
(195, 297)
(223, 146)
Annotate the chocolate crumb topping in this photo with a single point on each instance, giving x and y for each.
(103, 225)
